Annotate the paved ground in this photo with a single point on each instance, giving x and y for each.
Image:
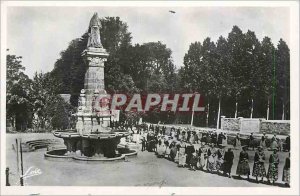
(144, 170)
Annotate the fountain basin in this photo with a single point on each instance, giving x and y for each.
(61, 154)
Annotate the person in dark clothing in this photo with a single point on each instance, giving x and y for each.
(220, 138)
(188, 135)
(288, 143)
(228, 161)
(214, 138)
(251, 141)
(173, 151)
(259, 169)
(286, 172)
(195, 137)
(243, 165)
(164, 130)
(203, 139)
(194, 160)
(157, 130)
(189, 150)
(144, 144)
(272, 174)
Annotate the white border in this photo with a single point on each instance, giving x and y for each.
(84, 190)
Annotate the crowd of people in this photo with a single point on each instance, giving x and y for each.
(209, 151)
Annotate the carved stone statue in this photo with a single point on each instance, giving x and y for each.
(94, 32)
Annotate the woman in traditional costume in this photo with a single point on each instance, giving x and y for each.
(196, 139)
(199, 136)
(259, 169)
(224, 141)
(237, 143)
(204, 137)
(220, 158)
(168, 149)
(286, 172)
(181, 155)
(208, 138)
(228, 161)
(273, 167)
(263, 141)
(176, 159)
(214, 138)
(189, 150)
(251, 141)
(194, 160)
(274, 144)
(161, 149)
(221, 137)
(211, 162)
(192, 138)
(243, 165)
(202, 157)
(173, 151)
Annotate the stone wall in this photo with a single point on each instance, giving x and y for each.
(280, 127)
(230, 124)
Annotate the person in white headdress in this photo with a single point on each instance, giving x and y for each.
(181, 155)
(202, 158)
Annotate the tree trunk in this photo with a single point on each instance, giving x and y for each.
(15, 122)
(283, 112)
(219, 113)
(268, 109)
(236, 109)
(251, 108)
(207, 115)
(192, 120)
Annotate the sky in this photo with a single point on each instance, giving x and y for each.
(39, 34)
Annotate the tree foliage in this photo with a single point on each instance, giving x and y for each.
(18, 105)
(239, 68)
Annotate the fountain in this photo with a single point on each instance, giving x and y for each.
(93, 138)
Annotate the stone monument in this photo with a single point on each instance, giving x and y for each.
(93, 138)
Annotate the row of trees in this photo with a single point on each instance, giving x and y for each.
(238, 75)
(250, 78)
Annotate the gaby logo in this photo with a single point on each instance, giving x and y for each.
(149, 102)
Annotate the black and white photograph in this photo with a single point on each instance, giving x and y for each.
(142, 97)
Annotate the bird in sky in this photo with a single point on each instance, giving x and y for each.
(171, 11)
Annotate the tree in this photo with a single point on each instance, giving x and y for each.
(235, 41)
(196, 75)
(18, 106)
(251, 65)
(265, 74)
(43, 94)
(220, 73)
(152, 61)
(60, 114)
(282, 68)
